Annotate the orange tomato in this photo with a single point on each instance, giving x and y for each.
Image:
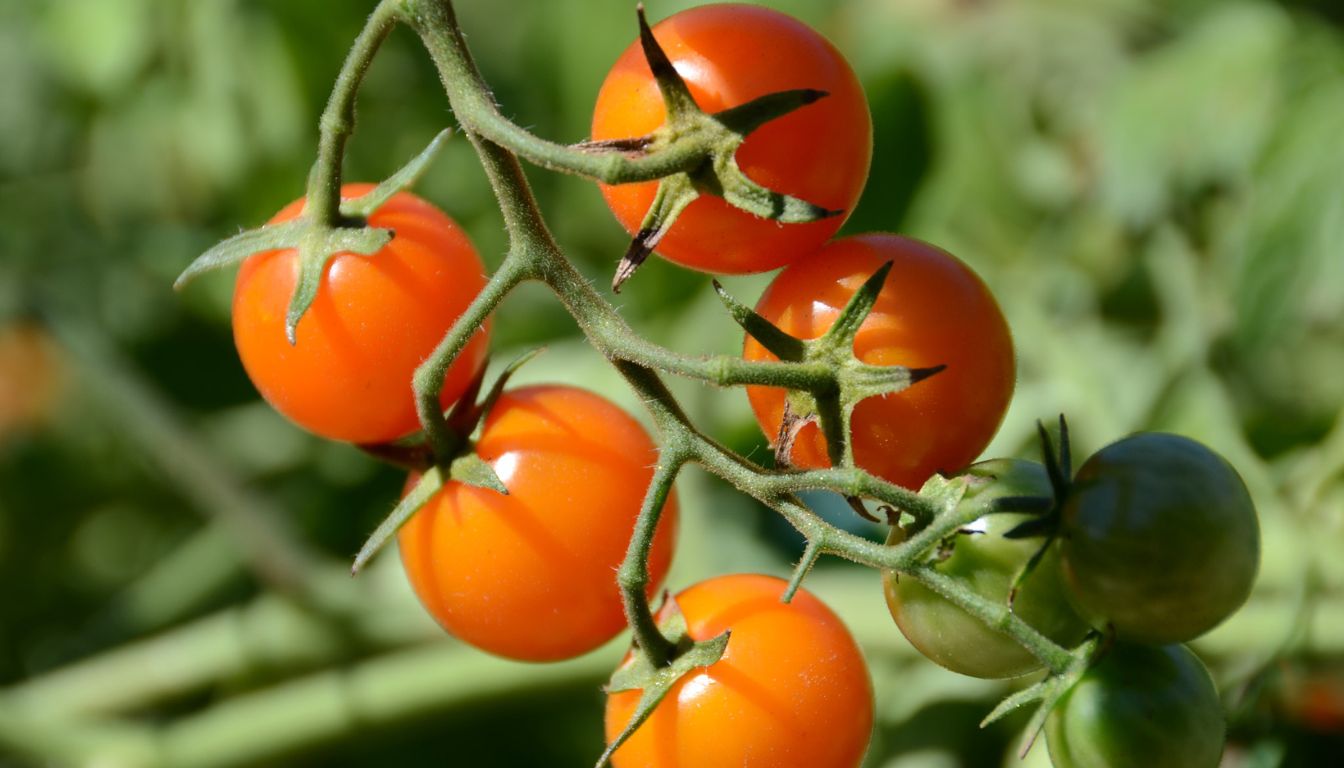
(375, 319)
(792, 688)
(933, 310)
(728, 55)
(532, 575)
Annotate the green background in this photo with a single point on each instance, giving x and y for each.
(1154, 191)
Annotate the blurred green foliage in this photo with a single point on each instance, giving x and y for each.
(1154, 189)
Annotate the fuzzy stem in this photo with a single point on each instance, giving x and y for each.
(337, 123)
(633, 575)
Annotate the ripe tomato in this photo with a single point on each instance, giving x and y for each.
(933, 310)
(1140, 706)
(728, 55)
(374, 320)
(1160, 539)
(532, 575)
(792, 688)
(987, 562)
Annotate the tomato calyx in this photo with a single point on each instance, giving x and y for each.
(461, 464)
(1047, 692)
(831, 407)
(716, 137)
(316, 238)
(654, 681)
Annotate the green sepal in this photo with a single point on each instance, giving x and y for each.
(1042, 525)
(654, 682)
(727, 180)
(1058, 464)
(1022, 505)
(850, 319)
(1046, 693)
(470, 469)
(674, 194)
(429, 484)
(811, 553)
(233, 250)
(1028, 568)
(467, 413)
(1028, 695)
(676, 96)
(363, 206)
(779, 343)
(318, 246)
(745, 118)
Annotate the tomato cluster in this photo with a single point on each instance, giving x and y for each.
(1151, 544)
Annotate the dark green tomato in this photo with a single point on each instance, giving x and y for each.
(987, 562)
(1140, 706)
(1160, 539)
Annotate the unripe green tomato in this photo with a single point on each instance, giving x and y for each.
(987, 562)
(1159, 539)
(1140, 706)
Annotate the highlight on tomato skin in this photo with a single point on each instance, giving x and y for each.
(932, 310)
(792, 688)
(532, 575)
(729, 54)
(374, 320)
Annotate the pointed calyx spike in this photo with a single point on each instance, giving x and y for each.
(1058, 464)
(654, 682)
(676, 96)
(673, 195)
(780, 344)
(851, 318)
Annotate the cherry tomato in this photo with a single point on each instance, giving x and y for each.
(987, 562)
(1139, 707)
(1160, 539)
(532, 575)
(728, 55)
(933, 310)
(374, 320)
(792, 688)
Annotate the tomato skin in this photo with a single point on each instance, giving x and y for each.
(933, 310)
(792, 688)
(532, 575)
(987, 562)
(729, 54)
(1139, 707)
(1160, 539)
(375, 318)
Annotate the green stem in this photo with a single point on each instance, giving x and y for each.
(633, 575)
(337, 123)
(430, 376)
